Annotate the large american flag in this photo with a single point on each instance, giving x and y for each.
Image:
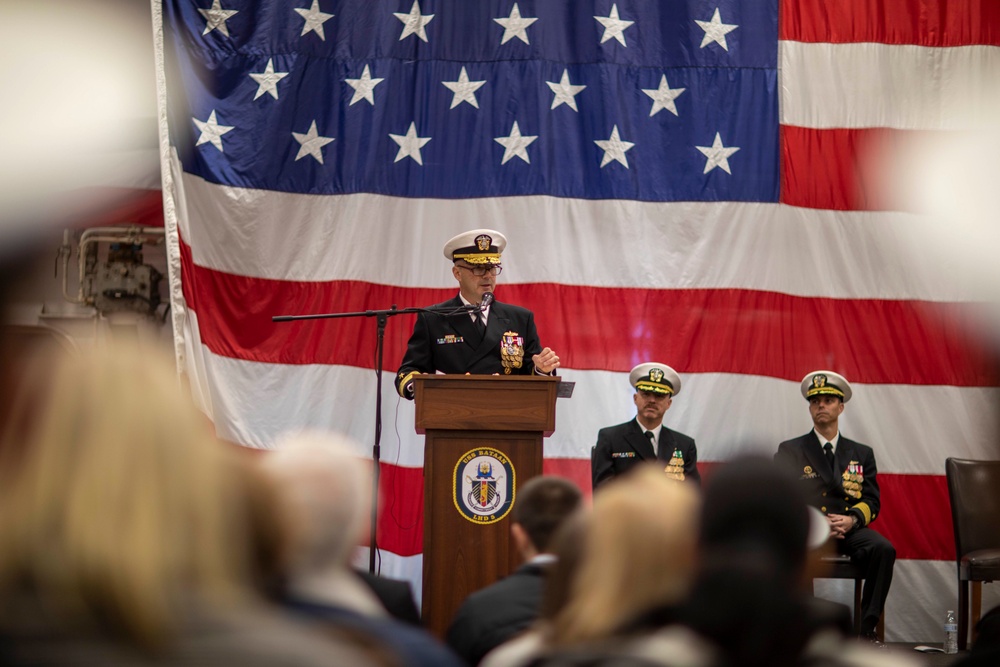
(679, 181)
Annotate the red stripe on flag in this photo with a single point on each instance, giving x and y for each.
(575, 470)
(188, 276)
(919, 22)
(840, 169)
(915, 515)
(400, 527)
(700, 331)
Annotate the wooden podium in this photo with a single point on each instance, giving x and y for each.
(483, 440)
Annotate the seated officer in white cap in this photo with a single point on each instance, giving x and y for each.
(622, 447)
(499, 340)
(840, 480)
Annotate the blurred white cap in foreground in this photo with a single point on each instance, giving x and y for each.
(79, 105)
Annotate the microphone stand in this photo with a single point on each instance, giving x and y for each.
(381, 320)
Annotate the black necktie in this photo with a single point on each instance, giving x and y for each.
(650, 436)
(481, 325)
(829, 453)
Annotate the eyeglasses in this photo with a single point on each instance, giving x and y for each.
(479, 271)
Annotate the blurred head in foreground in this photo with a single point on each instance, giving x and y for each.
(755, 538)
(119, 510)
(636, 555)
(326, 492)
(754, 507)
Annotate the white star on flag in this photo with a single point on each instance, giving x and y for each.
(614, 148)
(515, 26)
(717, 154)
(410, 144)
(663, 97)
(565, 92)
(515, 144)
(613, 26)
(211, 131)
(311, 143)
(363, 87)
(314, 19)
(414, 22)
(267, 81)
(716, 30)
(465, 90)
(216, 17)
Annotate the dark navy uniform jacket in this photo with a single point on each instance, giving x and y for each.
(850, 488)
(451, 344)
(622, 447)
(492, 615)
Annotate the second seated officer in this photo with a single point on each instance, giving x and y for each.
(840, 479)
(622, 447)
(500, 340)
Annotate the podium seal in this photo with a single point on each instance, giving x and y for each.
(483, 485)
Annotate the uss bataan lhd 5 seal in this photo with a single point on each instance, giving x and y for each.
(483, 485)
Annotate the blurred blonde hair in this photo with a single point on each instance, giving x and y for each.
(117, 503)
(639, 553)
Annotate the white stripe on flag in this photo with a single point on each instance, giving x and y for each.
(769, 247)
(881, 85)
(727, 414)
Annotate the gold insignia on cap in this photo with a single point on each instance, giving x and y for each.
(655, 377)
(819, 381)
(483, 242)
(654, 382)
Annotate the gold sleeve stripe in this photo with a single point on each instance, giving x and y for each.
(865, 510)
(404, 381)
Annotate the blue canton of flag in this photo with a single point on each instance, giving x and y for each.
(648, 100)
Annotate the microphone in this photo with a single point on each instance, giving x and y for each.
(486, 301)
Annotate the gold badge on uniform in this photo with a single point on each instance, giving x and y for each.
(819, 381)
(483, 242)
(808, 470)
(656, 375)
(511, 351)
(675, 467)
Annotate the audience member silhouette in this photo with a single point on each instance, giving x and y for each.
(567, 546)
(125, 535)
(494, 614)
(325, 489)
(639, 555)
(751, 599)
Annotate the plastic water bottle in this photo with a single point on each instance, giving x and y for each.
(950, 633)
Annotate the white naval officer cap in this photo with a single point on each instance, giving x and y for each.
(826, 383)
(655, 377)
(478, 246)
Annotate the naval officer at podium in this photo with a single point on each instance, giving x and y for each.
(497, 339)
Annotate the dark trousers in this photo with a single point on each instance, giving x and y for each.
(876, 556)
